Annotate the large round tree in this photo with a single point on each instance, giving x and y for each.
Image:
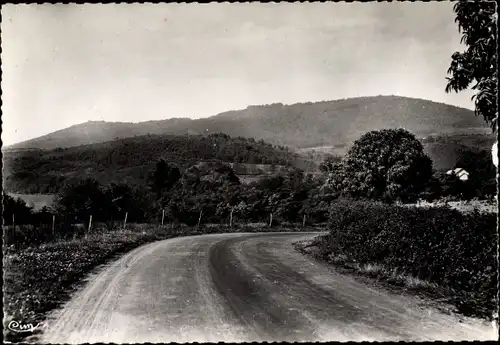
(388, 165)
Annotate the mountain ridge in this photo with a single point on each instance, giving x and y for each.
(298, 125)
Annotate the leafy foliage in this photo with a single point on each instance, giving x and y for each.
(164, 177)
(481, 182)
(105, 204)
(440, 245)
(15, 208)
(122, 198)
(477, 20)
(83, 200)
(383, 165)
(330, 164)
(201, 188)
(482, 173)
(443, 185)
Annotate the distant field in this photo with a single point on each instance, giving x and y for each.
(247, 179)
(321, 152)
(37, 201)
(256, 169)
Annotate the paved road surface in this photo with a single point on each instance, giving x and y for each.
(241, 287)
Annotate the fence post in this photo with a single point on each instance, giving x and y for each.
(231, 218)
(199, 219)
(125, 221)
(53, 224)
(162, 216)
(90, 223)
(271, 220)
(304, 221)
(13, 231)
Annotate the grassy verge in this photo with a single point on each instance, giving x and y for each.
(441, 252)
(39, 279)
(376, 271)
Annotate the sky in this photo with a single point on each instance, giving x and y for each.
(68, 64)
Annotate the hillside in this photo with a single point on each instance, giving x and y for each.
(130, 160)
(301, 125)
(444, 149)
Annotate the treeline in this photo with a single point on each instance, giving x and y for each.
(16, 211)
(211, 191)
(212, 188)
(129, 160)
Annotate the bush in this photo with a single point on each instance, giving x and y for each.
(15, 210)
(440, 245)
(388, 165)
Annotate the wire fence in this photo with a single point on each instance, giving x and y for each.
(54, 227)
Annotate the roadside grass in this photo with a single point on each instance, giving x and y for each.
(392, 279)
(41, 278)
(372, 270)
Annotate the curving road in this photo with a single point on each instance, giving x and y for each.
(241, 287)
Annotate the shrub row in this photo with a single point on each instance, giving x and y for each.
(440, 245)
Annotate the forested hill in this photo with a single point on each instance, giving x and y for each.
(129, 160)
(300, 125)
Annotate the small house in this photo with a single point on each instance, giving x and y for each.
(460, 173)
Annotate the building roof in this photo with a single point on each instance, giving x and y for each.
(459, 172)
